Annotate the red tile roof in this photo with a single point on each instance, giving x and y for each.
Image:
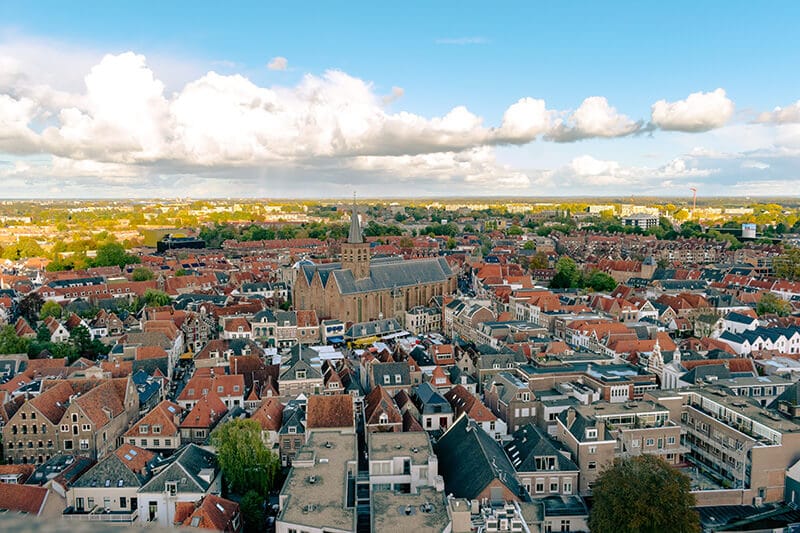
(330, 411)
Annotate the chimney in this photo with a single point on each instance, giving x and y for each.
(601, 429)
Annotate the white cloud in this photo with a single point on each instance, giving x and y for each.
(758, 165)
(594, 118)
(15, 116)
(781, 115)
(593, 175)
(525, 120)
(698, 112)
(396, 94)
(278, 63)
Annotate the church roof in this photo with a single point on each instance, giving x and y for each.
(355, 237)
(385, 275)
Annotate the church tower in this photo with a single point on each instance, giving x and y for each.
(355, 252)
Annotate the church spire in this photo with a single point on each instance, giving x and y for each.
(355, 236)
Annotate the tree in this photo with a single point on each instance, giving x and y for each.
(154, 298)
(451, 243)
(113, 253)
(81, 339)
(11, 343)
(406, 242)
(252, 509)
(43, 334)
(246, 462)
(539, 260)
(30, 305)
(50, 308)
(567, 274)
(787, 265)
(624, 497)
(770, 304)
(142, 274)
(529, 245)
(600, 281)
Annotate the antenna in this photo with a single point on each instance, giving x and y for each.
(694, 199)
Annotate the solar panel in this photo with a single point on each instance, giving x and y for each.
(134, 453)
(128, 457)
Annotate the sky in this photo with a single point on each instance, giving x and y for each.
(416, 99)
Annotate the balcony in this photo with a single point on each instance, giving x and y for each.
(98, 514)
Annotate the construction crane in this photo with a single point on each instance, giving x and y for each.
(694, 200)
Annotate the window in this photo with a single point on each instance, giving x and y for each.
(397, 378)
(90, 502)
(144, 429)
(565, 525)
(123, 502)
(67, 444)
(156, 443)
(649, 442)
(592, 450)
(635, 443)
(670, 440)
(567, 486)
(200, 433)
(86, 427)
(220, 388)
(553, 485)
(539, 486)
(592, 465)
(386, 380)
(167, 442)
(74, 417)
(79, 504)
(591, 433)
(171, 487)
(156, 430)
(300, 374)
(143, 443)
(84, 444)
(383, 419)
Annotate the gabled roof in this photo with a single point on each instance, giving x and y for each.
(379, 402)
(213, 513)
(206, 412)
(470, 459)
(330, 411)
(29, 499)
(269, 415)
(530, 442)
(184, 468)
(163, 415)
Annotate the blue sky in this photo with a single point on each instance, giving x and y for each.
(402, 68)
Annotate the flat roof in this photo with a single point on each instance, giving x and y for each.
(316, 496)
(413, 444)
(745, 407)
(392, 512)
(603, 409)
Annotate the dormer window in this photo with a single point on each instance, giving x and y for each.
(383, 419)
(591, 433)
(386, 380)
(300, 374)
(398, 378)
(292, 430)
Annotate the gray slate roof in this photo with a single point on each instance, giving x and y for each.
(384, 275)
(184, 468)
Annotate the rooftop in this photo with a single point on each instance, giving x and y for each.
(392, 512)
(385, 446)
(316, 490)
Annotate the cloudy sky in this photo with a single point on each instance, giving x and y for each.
(172, 99)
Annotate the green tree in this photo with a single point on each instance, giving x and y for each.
(600, 281)
(113, 253)
(30, 305)
(11, 343)
(539, 260)
(81, 339)
(787, 265)
(63, 350)
(252, 509)
(246, 462)
(567, 274)
(451, 243)
(529, 245)
(42, 334)
(142, 274)
(50, 308)
(154, 298)
(624, 497)
(770, 304)
(514, 230)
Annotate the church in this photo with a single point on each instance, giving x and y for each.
(360, 288)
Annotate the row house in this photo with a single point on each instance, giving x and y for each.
(229, 389)
(784, 340)
(85, 417)
(220, 353)
(511, 400)
(158, 430)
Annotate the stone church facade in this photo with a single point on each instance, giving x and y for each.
(360, 289)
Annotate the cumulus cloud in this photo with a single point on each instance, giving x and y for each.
(781, 115)
(396, 94)
(589, 172)
(594, 118)
(278, 63)
(698, 112)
